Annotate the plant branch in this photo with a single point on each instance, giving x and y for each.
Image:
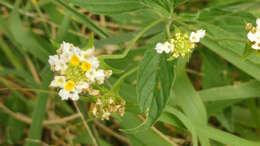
(117, 84)
(85, 124)
(28, 120)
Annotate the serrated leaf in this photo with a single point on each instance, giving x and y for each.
(154, 80)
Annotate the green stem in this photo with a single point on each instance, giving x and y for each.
(116, 86)
(138, 36)
(167, 28)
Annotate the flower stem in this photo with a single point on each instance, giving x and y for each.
(116, 86)
(167, 28)
(86, 125)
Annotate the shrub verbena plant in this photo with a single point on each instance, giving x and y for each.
(130, 72)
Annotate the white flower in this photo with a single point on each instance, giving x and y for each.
(94, 62)
(94, 111)
(66, 48)
(60, 66)
(76, 51)
(194, 37)
(258, 24)
(159, 48)
(100, 75)
(85, 54)
(256, 46)
(81, 85)
(64, 94)
(53, 59)
(74, 96)
(168, 47)
(201, 33)
(90, 75)
(65, 57)
(251, 37)
(59, 81)
(254, 37)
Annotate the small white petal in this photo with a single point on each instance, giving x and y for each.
(81, 85)
(61, 66)
(74, 96)
(258, 22)
(100, 75)
(90, 75)
(59, 81)
(168, 47)
(94, 62)
(64, 94)
(201, 33)
(159, 48)
(194, 38)
(251, 36)
(53, 59)
(256, 46)
(86, 54)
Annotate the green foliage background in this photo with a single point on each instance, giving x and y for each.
(211, 98)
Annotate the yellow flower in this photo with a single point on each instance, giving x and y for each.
(85, 66)
(74, 60)
(69, 86)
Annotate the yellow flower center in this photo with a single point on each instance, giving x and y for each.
(86, 66)
(60, 80)
(69, 86)
(74, 60)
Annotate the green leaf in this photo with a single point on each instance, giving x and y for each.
(247, 66)
(245, 90)
(164, 7)
(25, 39)
(82, 18)
(38, 116)
(90, 42)
(185, 121)
(229, 33)
(215, 71)
(188, 100)
(179, 2)
(224, 137)
(108, 7)
(154, 80)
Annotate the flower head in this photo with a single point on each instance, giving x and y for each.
(253, 35)
(77, 71)
(181, 44)
(106, 104)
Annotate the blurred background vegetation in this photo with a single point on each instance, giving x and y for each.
(27, 30)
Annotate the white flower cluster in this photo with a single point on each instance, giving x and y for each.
(196, 36)
(166, 47)
(254, 34)
(181, 44)
(76, 70)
